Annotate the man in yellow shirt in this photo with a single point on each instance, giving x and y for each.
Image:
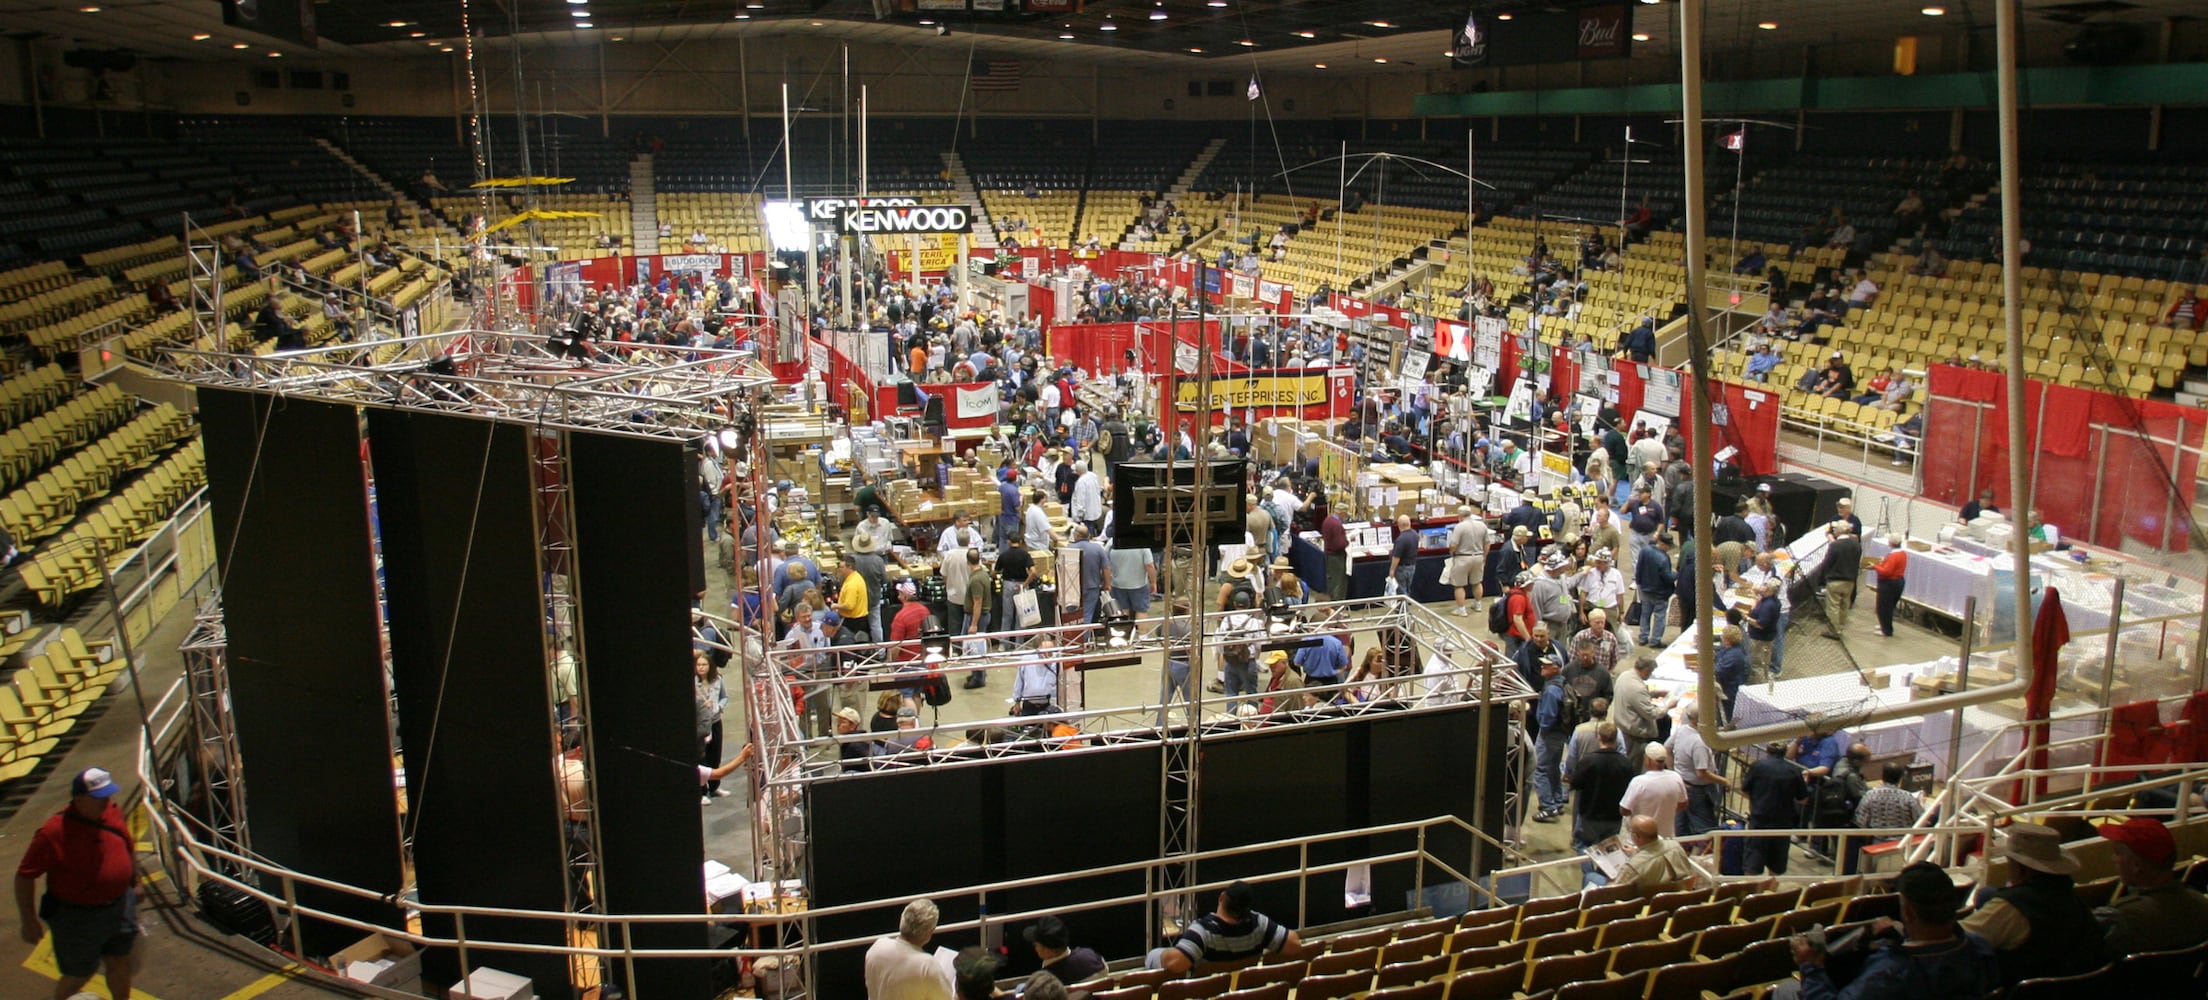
(851, 594)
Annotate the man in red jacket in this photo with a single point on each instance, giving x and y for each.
(86, 855)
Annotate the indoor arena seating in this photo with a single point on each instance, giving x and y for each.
(727, 220)
(1647, 282)
(66, 197)
(1779, 200)
(1591, 194)
(698, 164)
(277, 157)
(2099, 331)
(1519, 173)
(68, 564)
(1609, 943)
(1046, 218)
(47, 503)
(577, 238)
(2137, 220)
(400, 150)
(42, 701)
(1145, 157)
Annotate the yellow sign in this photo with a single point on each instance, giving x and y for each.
(1264, 390)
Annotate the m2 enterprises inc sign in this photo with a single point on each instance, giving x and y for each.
(899, 220)
(1231, 393)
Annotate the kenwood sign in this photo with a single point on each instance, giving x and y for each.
(898, 220)
(822, 211)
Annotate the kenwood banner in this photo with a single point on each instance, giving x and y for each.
(822, 211)
(897, 220)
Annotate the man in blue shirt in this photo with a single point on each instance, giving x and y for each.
(1323, 663)
(1761, 363)
(1657, 581)
(1093, 563)
(1817, 754)
(1035, 686)
(794, 568)
(1553, 719)
(1639, 343)
(1935, 958)
(1008, 516)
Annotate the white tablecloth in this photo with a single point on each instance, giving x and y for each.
(1926, 736)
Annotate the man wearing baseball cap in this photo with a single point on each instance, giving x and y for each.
(2037, 925)
(1936, 958)
(87, 857)
(2157, 911)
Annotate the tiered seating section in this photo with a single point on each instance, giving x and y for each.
(1609, 944)
(1779, 200)
(2131, 219)
(41, 702)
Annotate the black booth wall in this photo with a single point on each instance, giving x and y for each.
(290, 505)
(453, 495)
(932, 828)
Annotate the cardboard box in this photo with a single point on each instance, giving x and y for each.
(381, 961)
(491, 984)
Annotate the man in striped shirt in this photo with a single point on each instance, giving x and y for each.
(1233, 930)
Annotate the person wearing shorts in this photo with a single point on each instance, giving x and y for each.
(1467, 565)
(88, 858)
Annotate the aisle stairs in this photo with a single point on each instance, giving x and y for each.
(643, 206)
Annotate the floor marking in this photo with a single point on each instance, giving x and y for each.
(264, 984)
(41, 961)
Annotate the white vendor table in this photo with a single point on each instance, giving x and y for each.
(1926, 736)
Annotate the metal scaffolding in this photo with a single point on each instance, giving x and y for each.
(214, 738)
(203, 270)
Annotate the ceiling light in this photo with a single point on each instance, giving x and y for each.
(241, 45)
(927, 24)
(816, 24)
(1157, 15)
(743, 17)
(396, 24)
(1307, 34)
(578, 3)
(201, 37)
(417, 34)
(582, 24)
(445, 50)
(1246, 43)
(1319, 65)
(748, 6)
(1451, 54)
(1504, 17)
(1380, 24)
(275, 55)
(579, 13)
(1640, 36)
(1379, 59)
(1197, 51)
(615, 38)
(1215, 3)
(89, 10)
(1933, 11)
(1065, 38)
(1651, 1)
(1768, 25)
(1107, 26)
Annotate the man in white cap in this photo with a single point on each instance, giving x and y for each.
(2037, 924)
(85, 853)
(1467, 566)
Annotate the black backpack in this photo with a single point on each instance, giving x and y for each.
(1498, 615)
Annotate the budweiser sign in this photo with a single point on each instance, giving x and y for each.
(1602, 31)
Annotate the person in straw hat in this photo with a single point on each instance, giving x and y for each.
(2037, 924)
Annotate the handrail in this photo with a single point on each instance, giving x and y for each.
(194, 855)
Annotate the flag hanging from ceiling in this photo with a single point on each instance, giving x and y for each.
(996, 74)
(1253, 92)
(1736, 141)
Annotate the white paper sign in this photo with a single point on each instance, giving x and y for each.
(1414, 366)
(978, 402)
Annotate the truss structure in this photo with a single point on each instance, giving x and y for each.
(648, 390)
(216, 763)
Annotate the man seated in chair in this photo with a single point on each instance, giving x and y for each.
(1657, 861)
(1233, 931)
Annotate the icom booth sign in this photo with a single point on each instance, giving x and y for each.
(896, 220)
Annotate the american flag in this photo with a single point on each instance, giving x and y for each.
(996, 74)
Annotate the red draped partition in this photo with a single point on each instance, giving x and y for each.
(2105, 467)
(1745, 418)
